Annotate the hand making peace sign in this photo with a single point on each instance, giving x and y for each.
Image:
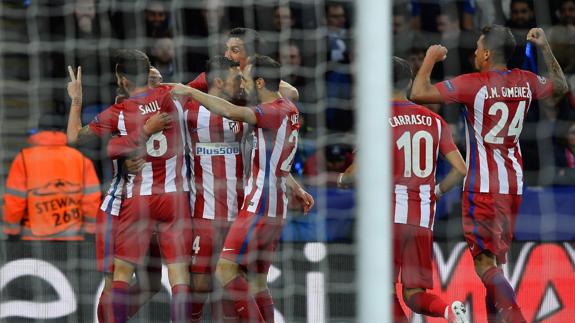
(75, 85)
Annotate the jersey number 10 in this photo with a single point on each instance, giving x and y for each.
(411, 152)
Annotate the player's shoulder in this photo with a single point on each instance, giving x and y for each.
(528, 76)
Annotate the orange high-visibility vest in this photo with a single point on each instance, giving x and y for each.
(61, 193)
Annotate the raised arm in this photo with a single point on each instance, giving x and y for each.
(217, 105)
(455, 176)
(422, 90)
(554, 71)
(77, 135)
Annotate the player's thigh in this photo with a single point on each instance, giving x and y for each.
(174, 226)
(482, 225)
(268, 233)
(416, 268)
(398, 244)
(240, 240)
(203, 248)
(134, 230)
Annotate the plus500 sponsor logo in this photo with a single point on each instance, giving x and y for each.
(217, 150)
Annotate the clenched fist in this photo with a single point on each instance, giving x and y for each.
(437, 53)
(537, 37)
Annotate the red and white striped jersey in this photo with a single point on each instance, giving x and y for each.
(496, 103)
(274, 148)
(419, 136)
(164, 170)
(216, 163)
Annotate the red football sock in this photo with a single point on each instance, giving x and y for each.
(491, 310)
(180, 304)
(398, 313)
(427, 304)
(120, 301)
(501, 293)
(229, 314)
(266, 305)
(198, 300)
(244, 303)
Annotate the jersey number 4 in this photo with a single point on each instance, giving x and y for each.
(493, 136)
(412, 153)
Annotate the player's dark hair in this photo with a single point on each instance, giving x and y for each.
(219, 67)
(134, 65)
(251, 38)
(402, 74)
(268, 69)
(500, 41)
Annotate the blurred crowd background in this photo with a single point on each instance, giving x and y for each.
(312, 39)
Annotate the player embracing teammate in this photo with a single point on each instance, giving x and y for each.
(495, 102)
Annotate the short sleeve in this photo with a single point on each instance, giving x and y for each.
(456, 90)
(541, 87)
(446, 144)
(200, 83)
(105, 123)
(268, 116)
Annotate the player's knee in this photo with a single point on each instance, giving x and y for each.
(123, 270)
(202, 283)
(483, 262)
(258, 284)
(408, 292)
(226, 271)
(179, 274)
(108, 279)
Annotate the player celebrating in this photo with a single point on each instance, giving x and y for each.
(419, 135)
(155, 198)
(243, 43)
(496, 101)
(148, 279)
(255, 233)
(218, 172)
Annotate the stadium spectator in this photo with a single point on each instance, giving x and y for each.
(339, 113)
(562, 36)
(283, 18)
(85, 14)
(294, 73)
(424, 13)
(404, 37)
(491, 199)
(52, 191)
(339, 49)
(565, 155)
(521, 19)
(158, 22)
(459, 44)
(162, 55)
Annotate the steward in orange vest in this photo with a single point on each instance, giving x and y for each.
(52, 191)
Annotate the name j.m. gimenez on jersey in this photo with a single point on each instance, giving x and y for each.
(508, 92)
(410, 120)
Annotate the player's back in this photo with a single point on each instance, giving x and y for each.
(164, 168)
(275, 145)
(496, 103)
(217, 162)
(419, 135)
